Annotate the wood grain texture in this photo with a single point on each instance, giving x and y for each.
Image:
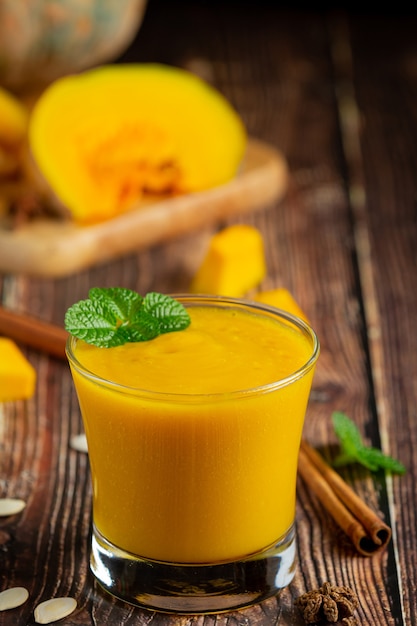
(57, 248)
(336, 94)
(385, 83)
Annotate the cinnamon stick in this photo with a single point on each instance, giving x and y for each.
(33, 332)
(368, 533)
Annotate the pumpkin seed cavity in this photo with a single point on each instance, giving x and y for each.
(13, 597)
(54, 610)
(11, 506)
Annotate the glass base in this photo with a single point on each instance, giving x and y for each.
(193, 588)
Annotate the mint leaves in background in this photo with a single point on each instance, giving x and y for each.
(353, 450)
(114, 316)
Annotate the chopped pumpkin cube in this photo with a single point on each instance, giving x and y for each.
(281, 299)
(234, 263)
(17, 376)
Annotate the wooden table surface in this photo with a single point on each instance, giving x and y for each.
(337, 94)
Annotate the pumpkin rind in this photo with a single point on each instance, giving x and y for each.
(105, 137)
(42, 40)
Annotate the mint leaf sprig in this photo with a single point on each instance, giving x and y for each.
(353, 450)
(113, 316)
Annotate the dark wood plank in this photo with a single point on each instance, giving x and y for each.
(385, 86)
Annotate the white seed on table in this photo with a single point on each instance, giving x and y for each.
(13, 597)
(54, 609)
(79, 443)
(11, 506)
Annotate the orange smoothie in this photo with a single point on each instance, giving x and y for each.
(193, 444)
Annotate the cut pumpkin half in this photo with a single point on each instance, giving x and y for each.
(104, 138)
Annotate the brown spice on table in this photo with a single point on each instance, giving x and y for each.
(329, 603)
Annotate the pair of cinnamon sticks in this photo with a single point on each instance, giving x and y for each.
(368, 533)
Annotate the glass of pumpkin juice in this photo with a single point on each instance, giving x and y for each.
(193, 442)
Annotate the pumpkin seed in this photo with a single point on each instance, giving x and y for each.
(11, 506)
(54, 609)
(13, 597)
(79, 443)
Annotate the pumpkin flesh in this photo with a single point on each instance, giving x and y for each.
(104, 138)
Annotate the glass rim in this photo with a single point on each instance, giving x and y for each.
(222, 301)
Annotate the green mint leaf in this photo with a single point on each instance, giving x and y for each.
(169, 313)
(353, 450)
(349, 437)
(95, 323)
(123, 302)
(159, 314)
(114, 316)
(375, 459)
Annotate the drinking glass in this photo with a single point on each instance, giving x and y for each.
(194, 490)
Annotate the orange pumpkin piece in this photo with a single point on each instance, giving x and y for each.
(234, 263)
(17, 375)
(107, 137)
(281, 299)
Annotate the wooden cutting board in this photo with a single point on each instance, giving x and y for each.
(53, 248)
